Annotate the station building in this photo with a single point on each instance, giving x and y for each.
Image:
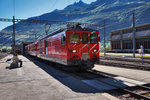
(122, 39)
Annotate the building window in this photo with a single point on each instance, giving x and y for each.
(127, 44)
(127, 31)
(117, 33)
(148, 44)
(143, 41)
(115, 44)
(143, 28)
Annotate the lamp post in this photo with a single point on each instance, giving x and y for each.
(133, 29)
(104, 39)
(13, 36)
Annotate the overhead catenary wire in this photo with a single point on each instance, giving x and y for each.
(50, 22)
(53, 5)
(75, 0)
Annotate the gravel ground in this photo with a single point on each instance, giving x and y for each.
(135, 63)
(122, 96)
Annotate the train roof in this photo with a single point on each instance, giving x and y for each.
(70, 28)
(81, 29)
(78, 28)
(61, 30)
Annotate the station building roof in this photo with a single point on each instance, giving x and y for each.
(129, 29)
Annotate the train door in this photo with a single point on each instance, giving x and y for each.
(46, 48)
(85, 46)
(94, 45)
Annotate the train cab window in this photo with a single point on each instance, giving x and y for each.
(84, 38)
(63, 39)
(74, 38)
(93, 38)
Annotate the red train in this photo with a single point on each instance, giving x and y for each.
(74, 46)
(31, 49)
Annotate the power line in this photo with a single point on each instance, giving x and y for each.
(5, 33)
(52, 6)
(76, 1)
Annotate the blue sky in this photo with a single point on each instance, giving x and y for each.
(29, 8)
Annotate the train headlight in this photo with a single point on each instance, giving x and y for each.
(95, 50)
(74, 51)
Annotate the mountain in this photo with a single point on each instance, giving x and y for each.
(116, 13)
(75, 5)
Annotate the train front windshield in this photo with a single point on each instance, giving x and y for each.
(93, 38)
(74, 38)
(84, 38)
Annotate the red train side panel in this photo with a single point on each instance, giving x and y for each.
(32, 49)
(53, 49)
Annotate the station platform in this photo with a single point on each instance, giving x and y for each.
(140, 75)
(39, 81)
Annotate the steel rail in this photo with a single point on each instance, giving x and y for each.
(137, 95)
(126, 90)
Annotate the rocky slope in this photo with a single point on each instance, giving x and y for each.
(116, 13)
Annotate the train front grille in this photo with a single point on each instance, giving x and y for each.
(85, 56)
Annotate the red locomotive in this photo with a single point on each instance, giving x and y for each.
(74, 46)
(31, 49)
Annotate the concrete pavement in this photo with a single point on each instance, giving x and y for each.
(139, 75)
(38, 81)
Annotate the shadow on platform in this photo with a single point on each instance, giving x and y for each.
(12, 66)
(68, 80)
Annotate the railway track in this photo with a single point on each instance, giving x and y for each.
(142, 92)
(135, 63)
(135, 92)
(129, 59)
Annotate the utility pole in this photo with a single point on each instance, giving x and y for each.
(13, 36)
(104, 38)
(133, 29)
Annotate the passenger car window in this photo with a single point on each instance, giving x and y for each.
(74, 38)
(93, 38)
(63, 39)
